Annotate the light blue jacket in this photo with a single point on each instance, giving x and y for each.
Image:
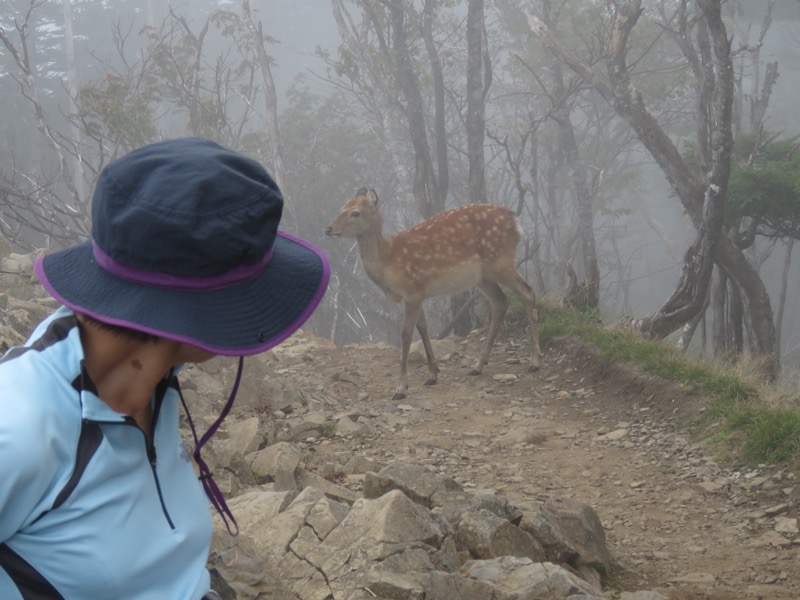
(136, 524)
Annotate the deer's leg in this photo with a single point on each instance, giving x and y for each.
(499, 302)
(526, 295)
(433, 368)
(410, 319)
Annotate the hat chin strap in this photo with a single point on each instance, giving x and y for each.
(206, 476)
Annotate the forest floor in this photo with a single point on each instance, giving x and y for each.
(678, 519)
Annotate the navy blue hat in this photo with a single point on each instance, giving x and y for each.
(185, 245)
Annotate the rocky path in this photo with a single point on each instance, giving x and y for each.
(677, 520)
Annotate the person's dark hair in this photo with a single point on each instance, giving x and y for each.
(123, 332)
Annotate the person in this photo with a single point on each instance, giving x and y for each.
(98, 497)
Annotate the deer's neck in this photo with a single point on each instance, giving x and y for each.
(374, 249)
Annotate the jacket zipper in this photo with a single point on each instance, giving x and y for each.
(149, 444)
(150, 447)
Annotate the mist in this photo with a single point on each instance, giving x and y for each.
(335, 96)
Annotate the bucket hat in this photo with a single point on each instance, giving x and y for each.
(185, 245)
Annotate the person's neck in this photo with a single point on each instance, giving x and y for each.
(125, 371)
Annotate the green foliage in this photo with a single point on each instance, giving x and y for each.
(115, 109)
(347, 65)
(765, 184)
(762, 435)
(515, 316)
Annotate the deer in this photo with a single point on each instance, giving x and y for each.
(474, 245)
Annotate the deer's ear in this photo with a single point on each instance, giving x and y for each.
(361, 192)
(372, 197)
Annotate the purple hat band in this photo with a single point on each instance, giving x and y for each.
(190, 336)
(174, 282)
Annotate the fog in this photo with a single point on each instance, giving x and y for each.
(344, 118)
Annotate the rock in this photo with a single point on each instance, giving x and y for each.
(521, 435)
(345, 426)
(277, 463)
(484, 535)
(359, 464)
(417, 482)
(527, 580)
(221, 586)
(579, 524)
(558, 549)
(334, 491)
(643, 595)
(441, 348)
(243, 438)
(697, 578)
(617, 434)
(394, 585)
(786, 525)
(389, 529)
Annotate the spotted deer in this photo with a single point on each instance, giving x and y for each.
(452, 251)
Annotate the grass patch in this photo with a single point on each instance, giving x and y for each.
(654, 357)
(748, 428)
(765, 435)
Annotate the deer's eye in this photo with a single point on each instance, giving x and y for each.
(355, 214)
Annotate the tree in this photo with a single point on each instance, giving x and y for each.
(163, 74)
(584, 295)
(28, 203)
(479, 79)
(383, 64)
(703, 197)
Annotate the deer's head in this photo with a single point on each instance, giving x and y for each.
(359, 216)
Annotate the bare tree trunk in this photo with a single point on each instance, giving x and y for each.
(442, 182)
(334, 295)
(271, 102)
(536, 210)
(424, 186)
(687, 333)
(71, 85)
(719, 303)
(585, 295)
(787, 262)
(478, 81)
(738, 314)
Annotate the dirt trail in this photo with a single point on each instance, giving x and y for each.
(677, 521)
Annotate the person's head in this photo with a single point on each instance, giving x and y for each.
(185, 246)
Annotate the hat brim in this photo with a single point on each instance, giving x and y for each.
(239, 320)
